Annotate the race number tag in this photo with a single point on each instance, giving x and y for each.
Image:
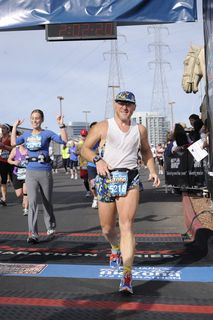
(5, 154)
(117, 185)
(21, 173)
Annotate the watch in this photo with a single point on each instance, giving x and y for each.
(97, 158)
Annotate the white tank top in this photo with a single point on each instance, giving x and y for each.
(121, 148)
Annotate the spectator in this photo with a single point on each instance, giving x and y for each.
(169, 144)
(194, 135)
(160, 157)
(153, 149)
(192, 118)
(181, 139)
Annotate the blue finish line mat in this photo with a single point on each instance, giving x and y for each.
(146, 273)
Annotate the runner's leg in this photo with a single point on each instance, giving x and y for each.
(107, 216)
(126, 207)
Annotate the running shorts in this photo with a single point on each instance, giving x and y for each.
(103, 193)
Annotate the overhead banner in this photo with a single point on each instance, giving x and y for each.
(36, 13)
(208, 37)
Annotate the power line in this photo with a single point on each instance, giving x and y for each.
(159, 102)
(115, 79)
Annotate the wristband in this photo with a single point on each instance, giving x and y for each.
(62, 126)
(97, 158)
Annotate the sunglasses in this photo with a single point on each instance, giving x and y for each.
(125, 103)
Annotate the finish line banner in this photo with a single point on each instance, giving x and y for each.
(33, 14)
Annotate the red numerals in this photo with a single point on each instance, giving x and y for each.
(85, 29)
(69, 30)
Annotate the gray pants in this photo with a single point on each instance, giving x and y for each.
(40, 181)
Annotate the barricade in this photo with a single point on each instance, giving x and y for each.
(183, 172)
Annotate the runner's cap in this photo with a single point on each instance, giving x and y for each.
(83, 133)
(125, 96)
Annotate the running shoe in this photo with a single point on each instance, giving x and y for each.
(25, 212)
(32, 239)
(3, 203)
(126, 283)
(115, 260)
(88, 194)
(50, 232)
(95, 204)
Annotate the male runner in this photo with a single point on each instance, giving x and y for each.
(120, 140)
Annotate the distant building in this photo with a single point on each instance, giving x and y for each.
(74, 128)
(156, 124)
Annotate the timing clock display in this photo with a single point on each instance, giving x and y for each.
(81, 31)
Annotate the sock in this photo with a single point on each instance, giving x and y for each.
(127, 269)
(115, 249)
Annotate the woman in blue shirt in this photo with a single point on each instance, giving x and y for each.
(39, 170)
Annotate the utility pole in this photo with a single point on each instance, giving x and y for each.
(86, 120)
(60, 98)
(172, 114)
(115, 77)
(160, 89)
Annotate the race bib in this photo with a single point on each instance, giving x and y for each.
(117, 185)
(5, 154)
(21, 173)
(34, 142)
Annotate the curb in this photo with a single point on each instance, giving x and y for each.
(189, 215)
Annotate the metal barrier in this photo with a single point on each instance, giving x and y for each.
(183, 172)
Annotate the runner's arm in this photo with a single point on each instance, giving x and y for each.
(13, 133)
(11, 157)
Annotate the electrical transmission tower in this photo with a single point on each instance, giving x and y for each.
(160, 94)
(115, 80)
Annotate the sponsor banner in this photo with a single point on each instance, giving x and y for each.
(184, 171)
(18, 268)
(147, 273)
(35, 13)
(142, 254)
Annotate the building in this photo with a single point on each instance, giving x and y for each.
(156, 124)
(74, 128)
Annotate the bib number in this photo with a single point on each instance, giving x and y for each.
(5, 154)
(21, 174)
(117, 185)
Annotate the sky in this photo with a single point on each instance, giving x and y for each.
(34, 72)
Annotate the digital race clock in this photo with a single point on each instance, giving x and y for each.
(81, 31)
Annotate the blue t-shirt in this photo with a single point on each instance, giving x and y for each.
(73, 153)
(37, 144)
